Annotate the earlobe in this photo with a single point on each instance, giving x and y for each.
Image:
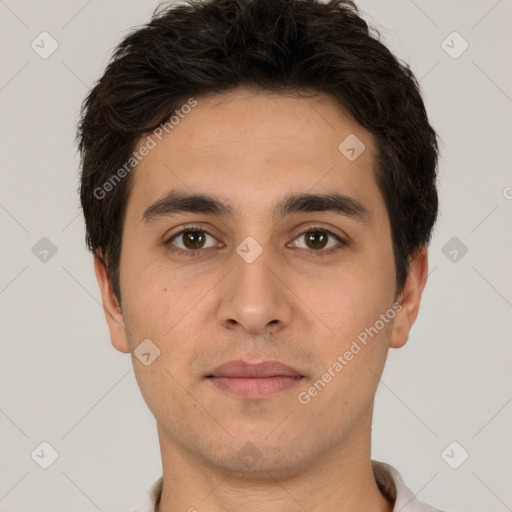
(111, 307)
(409, 299)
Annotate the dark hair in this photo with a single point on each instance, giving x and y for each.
(281, 46)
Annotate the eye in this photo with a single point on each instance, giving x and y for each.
(190, 240)
(319, 240)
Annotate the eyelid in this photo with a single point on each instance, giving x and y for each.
(336, 233)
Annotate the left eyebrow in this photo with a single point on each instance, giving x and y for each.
(333, 202)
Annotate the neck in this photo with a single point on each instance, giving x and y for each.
(340, 480)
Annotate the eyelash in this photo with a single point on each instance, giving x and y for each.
(198, 252)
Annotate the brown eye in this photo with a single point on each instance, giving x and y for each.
(191, 240)
(318, 240)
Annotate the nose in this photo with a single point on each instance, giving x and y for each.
(253, 298)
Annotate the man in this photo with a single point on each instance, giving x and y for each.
(258, 186)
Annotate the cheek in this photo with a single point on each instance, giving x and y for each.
(349, 300)
(151, 292)
(160, 308)
(167, 305)
(352, 306)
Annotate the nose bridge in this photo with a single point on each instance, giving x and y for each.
(253, 297)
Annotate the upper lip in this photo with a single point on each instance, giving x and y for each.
(242, 369)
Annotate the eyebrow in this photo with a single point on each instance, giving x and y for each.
(333, 202)
(179, 202)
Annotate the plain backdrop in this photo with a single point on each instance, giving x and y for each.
(63, 383)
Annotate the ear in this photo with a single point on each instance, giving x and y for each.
(409, 299)
(111, 307)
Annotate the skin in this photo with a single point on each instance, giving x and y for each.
(290, 304)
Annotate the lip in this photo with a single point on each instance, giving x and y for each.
(254, 381)
(241, 369)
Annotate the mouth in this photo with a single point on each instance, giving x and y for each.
(254, 381)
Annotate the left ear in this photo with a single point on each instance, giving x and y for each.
(409, 299)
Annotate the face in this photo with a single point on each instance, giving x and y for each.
(251, 271)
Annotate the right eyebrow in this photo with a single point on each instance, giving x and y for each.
(178, 202)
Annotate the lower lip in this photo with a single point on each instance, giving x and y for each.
(255, 387)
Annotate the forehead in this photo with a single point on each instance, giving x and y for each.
(252, 146)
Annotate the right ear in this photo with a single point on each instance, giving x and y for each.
(111, 307)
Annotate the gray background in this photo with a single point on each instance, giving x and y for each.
(61, 380)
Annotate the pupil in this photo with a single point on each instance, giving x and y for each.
(316, 238)
(194, 239)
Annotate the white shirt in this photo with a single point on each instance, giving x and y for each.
(387, 477)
